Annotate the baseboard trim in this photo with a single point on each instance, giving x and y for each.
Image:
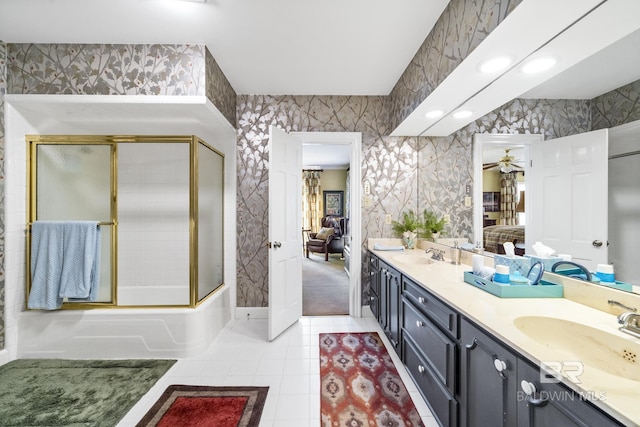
(252, 312)
(4, 357)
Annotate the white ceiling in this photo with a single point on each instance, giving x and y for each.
(358, 47)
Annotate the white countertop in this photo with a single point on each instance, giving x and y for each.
(620, 396)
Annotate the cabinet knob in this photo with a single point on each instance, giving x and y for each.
(528, 387)
(421, 369)
(372, 298)
(530, 390)
(421, 300)
(500, 365)
(419, 323)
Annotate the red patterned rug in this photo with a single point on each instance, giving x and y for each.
(203, 406)
(360, 386)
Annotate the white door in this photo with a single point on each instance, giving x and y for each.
(285, 231)
(569, 196)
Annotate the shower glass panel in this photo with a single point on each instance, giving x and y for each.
(73, 183)
(210, 221)
(153, 223)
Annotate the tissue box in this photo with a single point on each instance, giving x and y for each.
(515, 263)
(547, 262)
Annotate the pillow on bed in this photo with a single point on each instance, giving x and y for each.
(325, 232)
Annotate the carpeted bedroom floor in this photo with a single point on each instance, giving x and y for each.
(325, 286)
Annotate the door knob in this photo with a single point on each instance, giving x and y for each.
(597, 243)
(277, 245)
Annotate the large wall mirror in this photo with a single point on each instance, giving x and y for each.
(492, 152)
(501, 170)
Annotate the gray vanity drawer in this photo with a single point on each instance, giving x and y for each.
(437, 311)
(439, 350)
(443, 404)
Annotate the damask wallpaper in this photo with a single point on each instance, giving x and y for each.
(463, 25)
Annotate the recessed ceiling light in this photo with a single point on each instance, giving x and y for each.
(433, 114)
(462, 114)
(538, 65)
(495, 64)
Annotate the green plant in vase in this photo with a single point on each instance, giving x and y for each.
(432, 224)
(407, 228)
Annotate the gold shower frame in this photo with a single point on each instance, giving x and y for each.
(113, 140)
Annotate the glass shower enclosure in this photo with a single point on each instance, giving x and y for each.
(158, 200)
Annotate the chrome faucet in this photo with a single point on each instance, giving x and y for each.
(630, 322)
(436, 254)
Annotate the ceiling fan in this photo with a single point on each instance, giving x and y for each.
(506, 163)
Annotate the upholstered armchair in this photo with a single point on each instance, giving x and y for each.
(330, 238)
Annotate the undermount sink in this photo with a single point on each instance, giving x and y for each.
(581, 343)
(413, 259)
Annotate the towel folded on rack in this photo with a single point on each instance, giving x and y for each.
(65, 263)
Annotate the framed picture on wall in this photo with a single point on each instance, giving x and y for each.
(333, 202)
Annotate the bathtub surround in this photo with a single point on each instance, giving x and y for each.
(79, 392)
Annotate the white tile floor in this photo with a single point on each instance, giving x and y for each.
(241, 355)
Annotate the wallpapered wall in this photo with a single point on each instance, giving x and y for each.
(463, 25)
(118, 69)
(389, 165)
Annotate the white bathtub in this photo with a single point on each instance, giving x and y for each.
(123, 333)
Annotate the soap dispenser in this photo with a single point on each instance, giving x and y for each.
(456, 253)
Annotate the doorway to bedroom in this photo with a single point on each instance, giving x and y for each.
(325, 228)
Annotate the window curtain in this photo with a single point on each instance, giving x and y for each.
(508, 198)
(311, 201)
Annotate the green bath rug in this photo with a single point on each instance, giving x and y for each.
(57, 392)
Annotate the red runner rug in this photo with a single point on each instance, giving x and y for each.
(204, 406)
(359, 384)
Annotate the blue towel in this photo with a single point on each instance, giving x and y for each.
(65, 263)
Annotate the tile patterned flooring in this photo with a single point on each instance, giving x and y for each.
(289, 365)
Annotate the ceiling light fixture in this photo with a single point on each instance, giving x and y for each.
(495, 64)
(433, 114)
(538, 65)
(462, 114)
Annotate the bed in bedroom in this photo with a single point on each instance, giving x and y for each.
(495, 235)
